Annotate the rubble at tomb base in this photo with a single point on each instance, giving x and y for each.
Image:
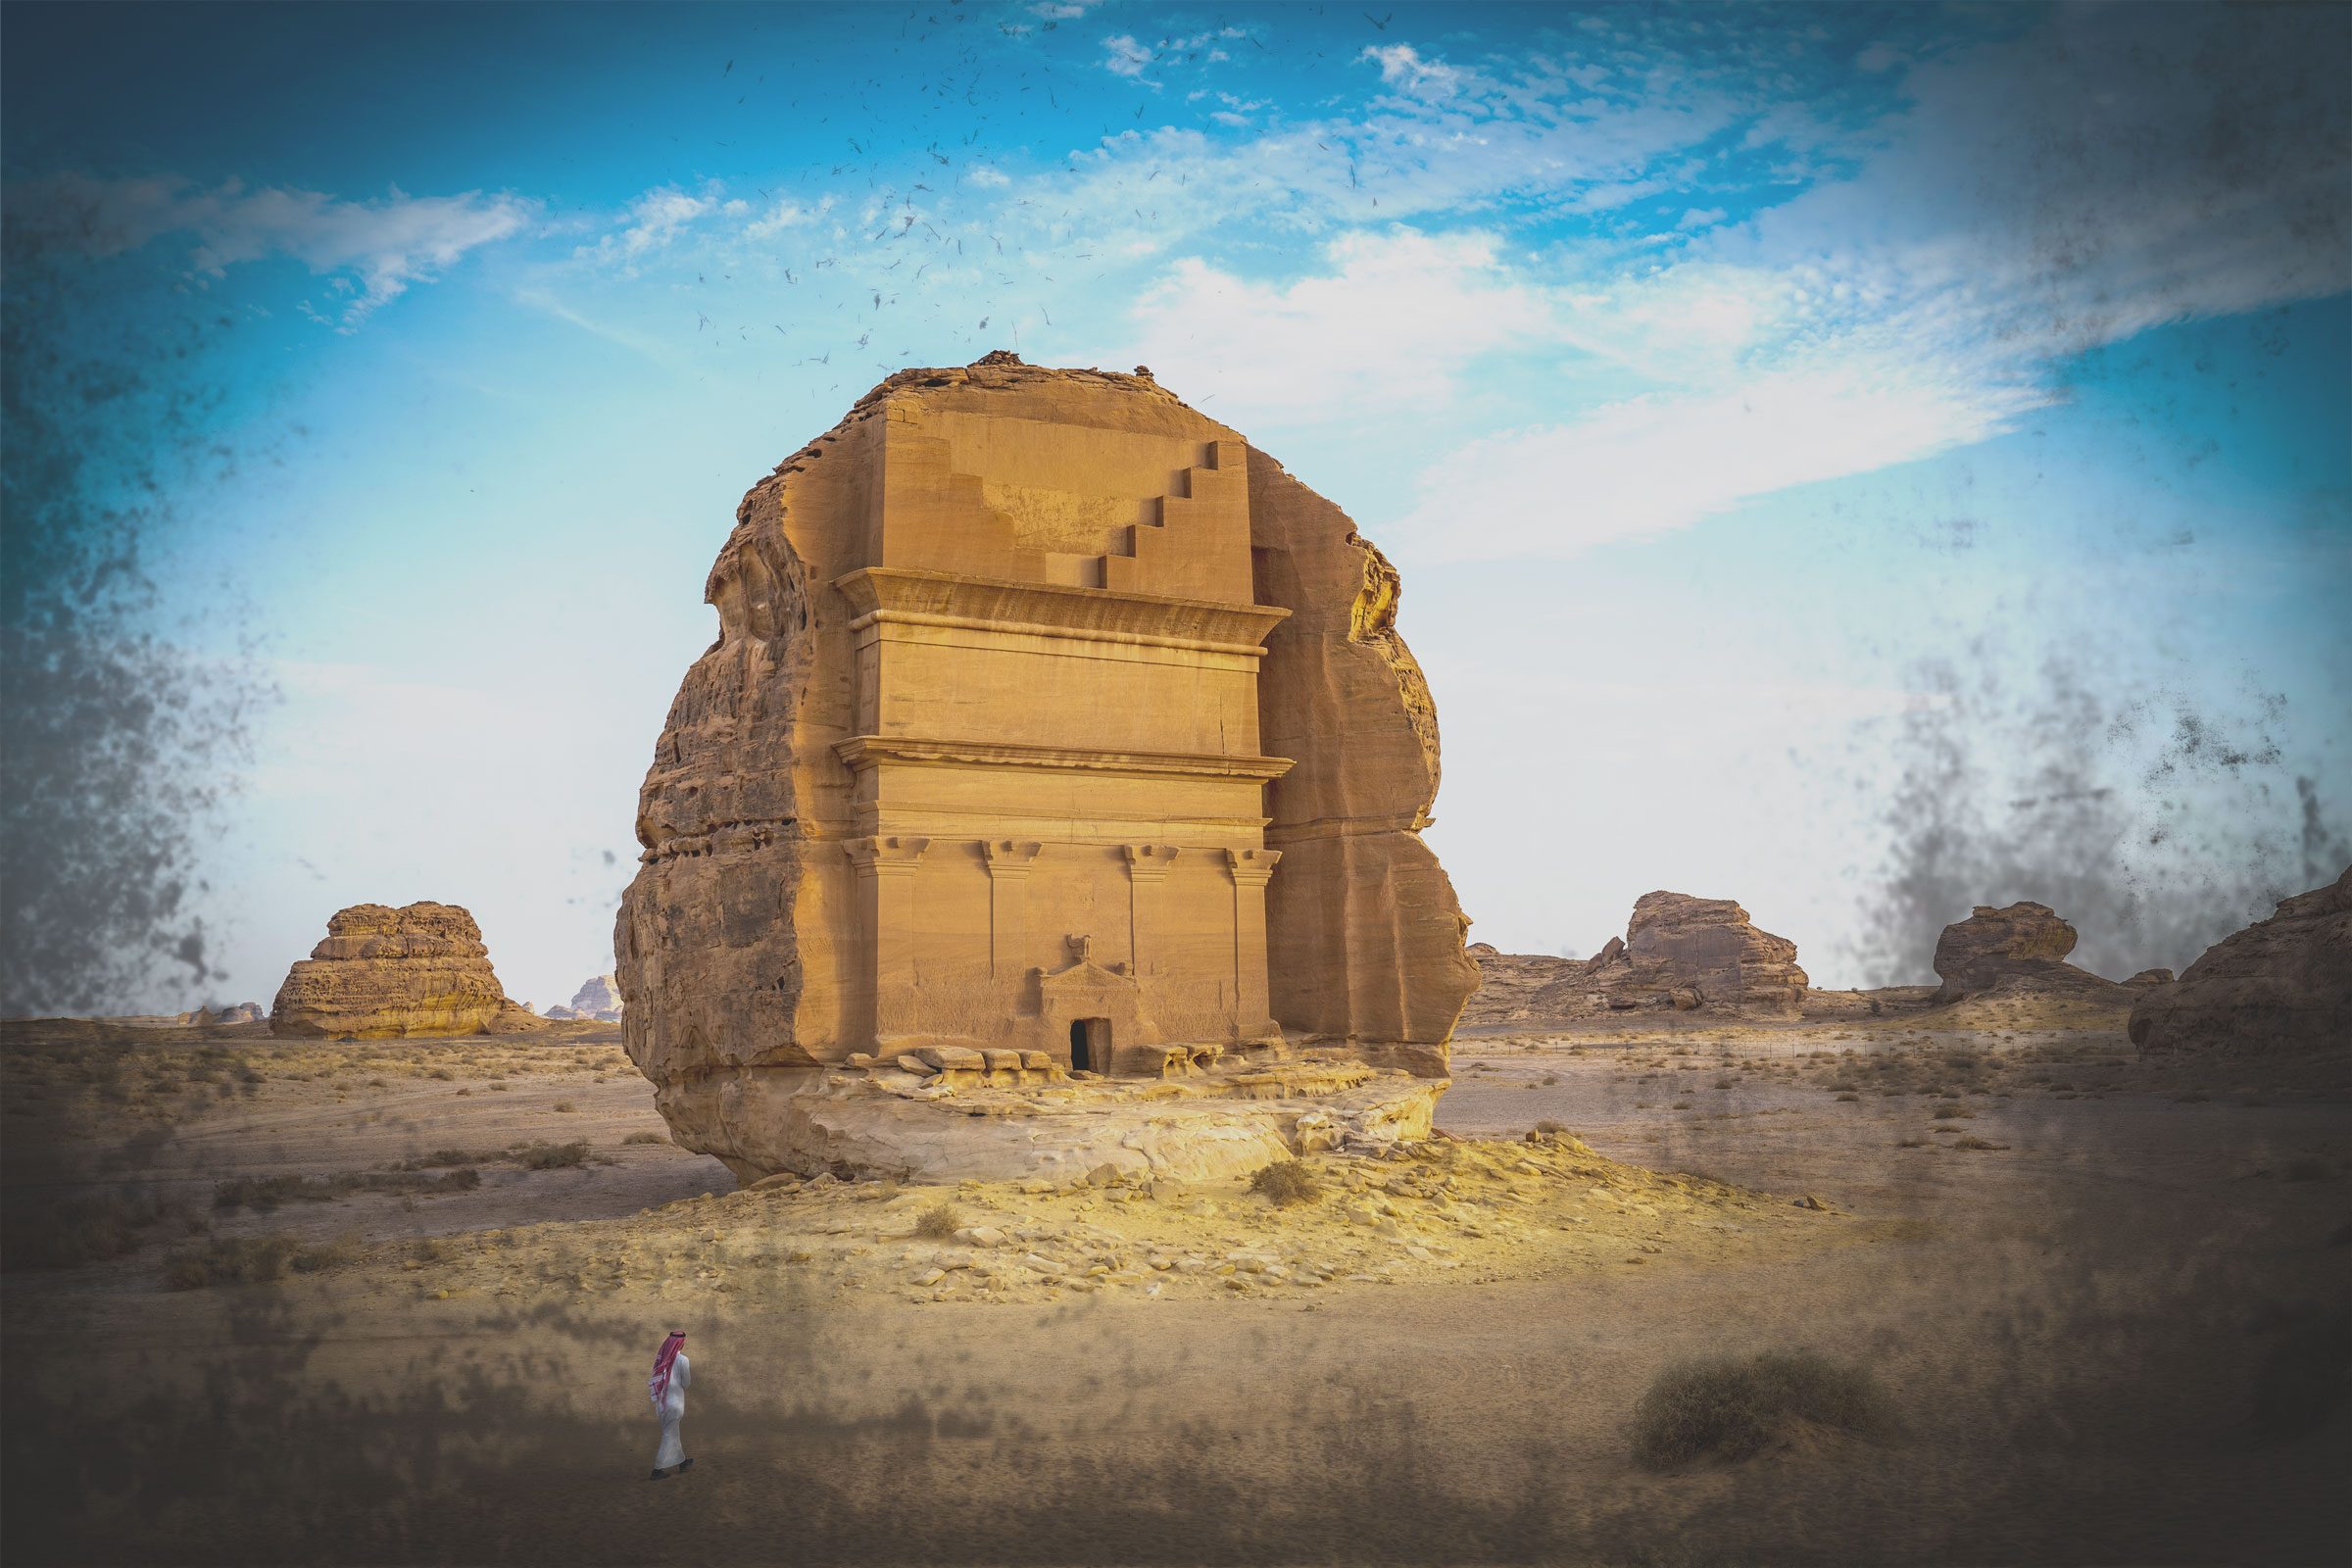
(2280, 985)
(1047, 716)
(941, 1117)
(384, 973)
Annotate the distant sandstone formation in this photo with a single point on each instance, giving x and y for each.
(1680, 952)
(598, 1000)
(1046, 714)
(2280, 984)
(2019, 948)
(230, 1012)
(385, 974)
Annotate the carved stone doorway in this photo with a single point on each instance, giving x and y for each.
(1090, 1045)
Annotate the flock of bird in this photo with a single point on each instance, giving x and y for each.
(904, 214)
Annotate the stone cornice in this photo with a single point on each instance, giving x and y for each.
(866, 750)
(905, 596)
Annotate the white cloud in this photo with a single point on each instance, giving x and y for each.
(1390, 326)
(1654, 463)
(1127, 57)
(371, 251)
(1402, 67)
(786, 214)
(987, 177)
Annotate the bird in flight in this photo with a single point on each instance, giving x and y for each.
(1382, 22)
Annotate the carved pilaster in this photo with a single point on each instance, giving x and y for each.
(1251, 870)
(1009, 863)
(1146, 867)
(885, 971)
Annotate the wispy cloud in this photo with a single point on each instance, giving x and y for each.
(374, 251)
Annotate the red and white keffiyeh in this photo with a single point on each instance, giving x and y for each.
(658, 1383)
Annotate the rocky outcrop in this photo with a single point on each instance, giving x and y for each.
(227, 1013)
(2150, 977)
(385, 974)
(597, 1000)
(2025, 941)
(1687, 955)
(2284, 983)
(1507, 984)
(1679, 953)
(1045, 714)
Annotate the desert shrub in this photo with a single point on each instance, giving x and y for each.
(1550, 1126)
(247, 1260)
(74, 1231)
(262, 1194)
(645, 1137)
(1733, 1408)
(1971, 1140)
(939, 1223)
(565, 1107)
(442, 1073)
(1285, 1183)
(1722, 1083)
(551, 1156)
(1855, 1099)
(450, 1156)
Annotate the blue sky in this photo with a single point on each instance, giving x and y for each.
(1766, 406)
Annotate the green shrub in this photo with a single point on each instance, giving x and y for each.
(1731, 1408)
(1286, 1183)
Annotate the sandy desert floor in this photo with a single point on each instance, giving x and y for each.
(2108, 1300)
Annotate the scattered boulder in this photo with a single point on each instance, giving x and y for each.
(597, 1000)
(2280, 985)
(385, 974)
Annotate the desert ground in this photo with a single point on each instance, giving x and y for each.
(396, 1301)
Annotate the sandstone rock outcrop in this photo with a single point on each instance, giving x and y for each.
(384, 973)
(2022, 942)
(2150, 977)
(2283, 984)
(1688, 955)
(1046, 714)
(1679, 953)
(597, 1000)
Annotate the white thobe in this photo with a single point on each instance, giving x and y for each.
(673, 1410)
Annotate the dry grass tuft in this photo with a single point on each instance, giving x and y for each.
(249, 1260)
(645, 1137)
(940, 1222)
(1285, 1183)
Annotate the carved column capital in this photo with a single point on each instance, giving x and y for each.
(885, 854)
(1148, 862)
(1252, 867)
(1007, 858)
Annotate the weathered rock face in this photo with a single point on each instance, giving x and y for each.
(1507, 983)
(598, 999)
(384, 973)
(2281, 984)
(2023, 942)
(2150, 977)
(1045, 714)
(1688, 955)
